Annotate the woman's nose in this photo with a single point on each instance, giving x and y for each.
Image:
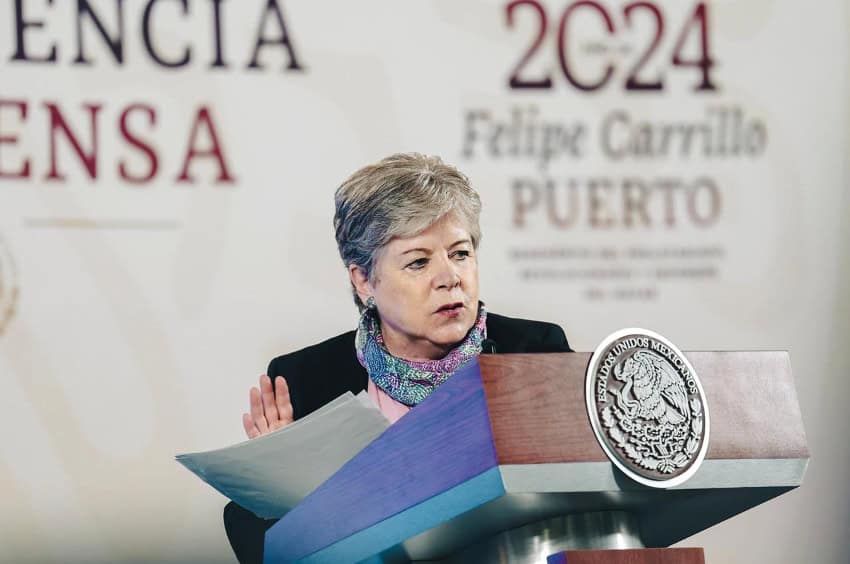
(447, 275)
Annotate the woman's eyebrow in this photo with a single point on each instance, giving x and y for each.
(419, 249)
(428, 251)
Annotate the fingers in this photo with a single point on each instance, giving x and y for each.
(250, 429)
(269, 406)
(282, 401)
(257, 412)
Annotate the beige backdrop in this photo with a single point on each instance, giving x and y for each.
(135, 316)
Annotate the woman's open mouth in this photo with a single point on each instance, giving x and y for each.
(451, 310)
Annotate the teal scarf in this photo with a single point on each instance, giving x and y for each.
(408, 381)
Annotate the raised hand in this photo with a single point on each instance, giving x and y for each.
(270, 409)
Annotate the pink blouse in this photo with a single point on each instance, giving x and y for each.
(391, 409)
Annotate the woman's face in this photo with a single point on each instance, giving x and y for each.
(425, 288)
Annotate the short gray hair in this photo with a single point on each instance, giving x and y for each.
(399, 196)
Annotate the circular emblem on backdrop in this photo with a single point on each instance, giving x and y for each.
(8, 287)
(647, 407)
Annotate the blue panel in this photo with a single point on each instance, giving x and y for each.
(442, 443)
(398, 528)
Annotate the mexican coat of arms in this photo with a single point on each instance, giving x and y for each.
(647, 408)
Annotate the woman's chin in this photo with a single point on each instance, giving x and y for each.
(450, 333)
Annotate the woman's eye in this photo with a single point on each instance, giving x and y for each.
(461, 255)
(418, 264)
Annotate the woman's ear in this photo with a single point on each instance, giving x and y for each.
(360, 282)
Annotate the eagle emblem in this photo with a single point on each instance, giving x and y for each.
(647, 407)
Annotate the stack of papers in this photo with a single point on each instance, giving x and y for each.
(271, 474)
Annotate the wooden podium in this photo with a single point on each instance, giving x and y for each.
(501, 465)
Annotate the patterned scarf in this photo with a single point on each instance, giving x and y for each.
(409, 381)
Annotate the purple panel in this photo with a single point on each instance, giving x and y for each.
(443, 442)
(560, 558)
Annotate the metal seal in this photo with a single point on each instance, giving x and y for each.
(647, 408)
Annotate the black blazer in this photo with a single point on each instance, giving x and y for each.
(320, 373)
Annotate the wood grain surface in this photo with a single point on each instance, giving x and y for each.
(538, 414)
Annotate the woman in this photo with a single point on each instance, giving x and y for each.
(407, 231)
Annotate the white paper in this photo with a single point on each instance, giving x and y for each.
(271, 474)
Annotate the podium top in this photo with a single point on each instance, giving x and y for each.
(538, 414)
(507, 441)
